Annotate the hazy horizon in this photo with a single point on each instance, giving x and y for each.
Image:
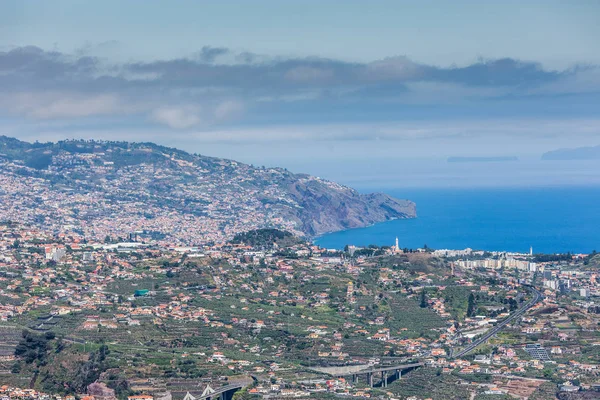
(359, 95)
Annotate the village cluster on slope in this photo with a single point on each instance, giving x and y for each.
(147, 318)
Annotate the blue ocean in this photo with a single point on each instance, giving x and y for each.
(551, 220)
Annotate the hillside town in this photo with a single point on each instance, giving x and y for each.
(105, 191)
(215, 212)
(283, 316)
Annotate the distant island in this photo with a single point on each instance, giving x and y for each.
(579, 153)
(482, 159)
(115, 189)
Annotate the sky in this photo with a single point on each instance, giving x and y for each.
(372, 94)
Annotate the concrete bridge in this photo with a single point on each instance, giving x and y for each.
(222, 393)
(387, 373)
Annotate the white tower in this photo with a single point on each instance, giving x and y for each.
(397, 246)
(531, 250)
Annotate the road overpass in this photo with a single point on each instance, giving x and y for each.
(387, 373)
(222, 393)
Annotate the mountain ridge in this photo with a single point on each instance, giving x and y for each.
(113, 187)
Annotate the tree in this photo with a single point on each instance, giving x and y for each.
(513, 304)
(16, 368)
(423, 299)
(471, 305)
(33, 347)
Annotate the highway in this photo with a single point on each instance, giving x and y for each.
(537, 296)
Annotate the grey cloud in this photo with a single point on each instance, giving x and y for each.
(247, 57)
(208, 54)
(53, 67)
(32, 67)
(204, 81)
(309, 74)
(502, 72)
(395, 68)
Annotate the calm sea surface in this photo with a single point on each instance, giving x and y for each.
(552, 220)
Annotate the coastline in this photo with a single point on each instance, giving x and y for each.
(320, 235)
(551, 219)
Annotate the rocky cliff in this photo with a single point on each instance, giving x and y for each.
(329, 207)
